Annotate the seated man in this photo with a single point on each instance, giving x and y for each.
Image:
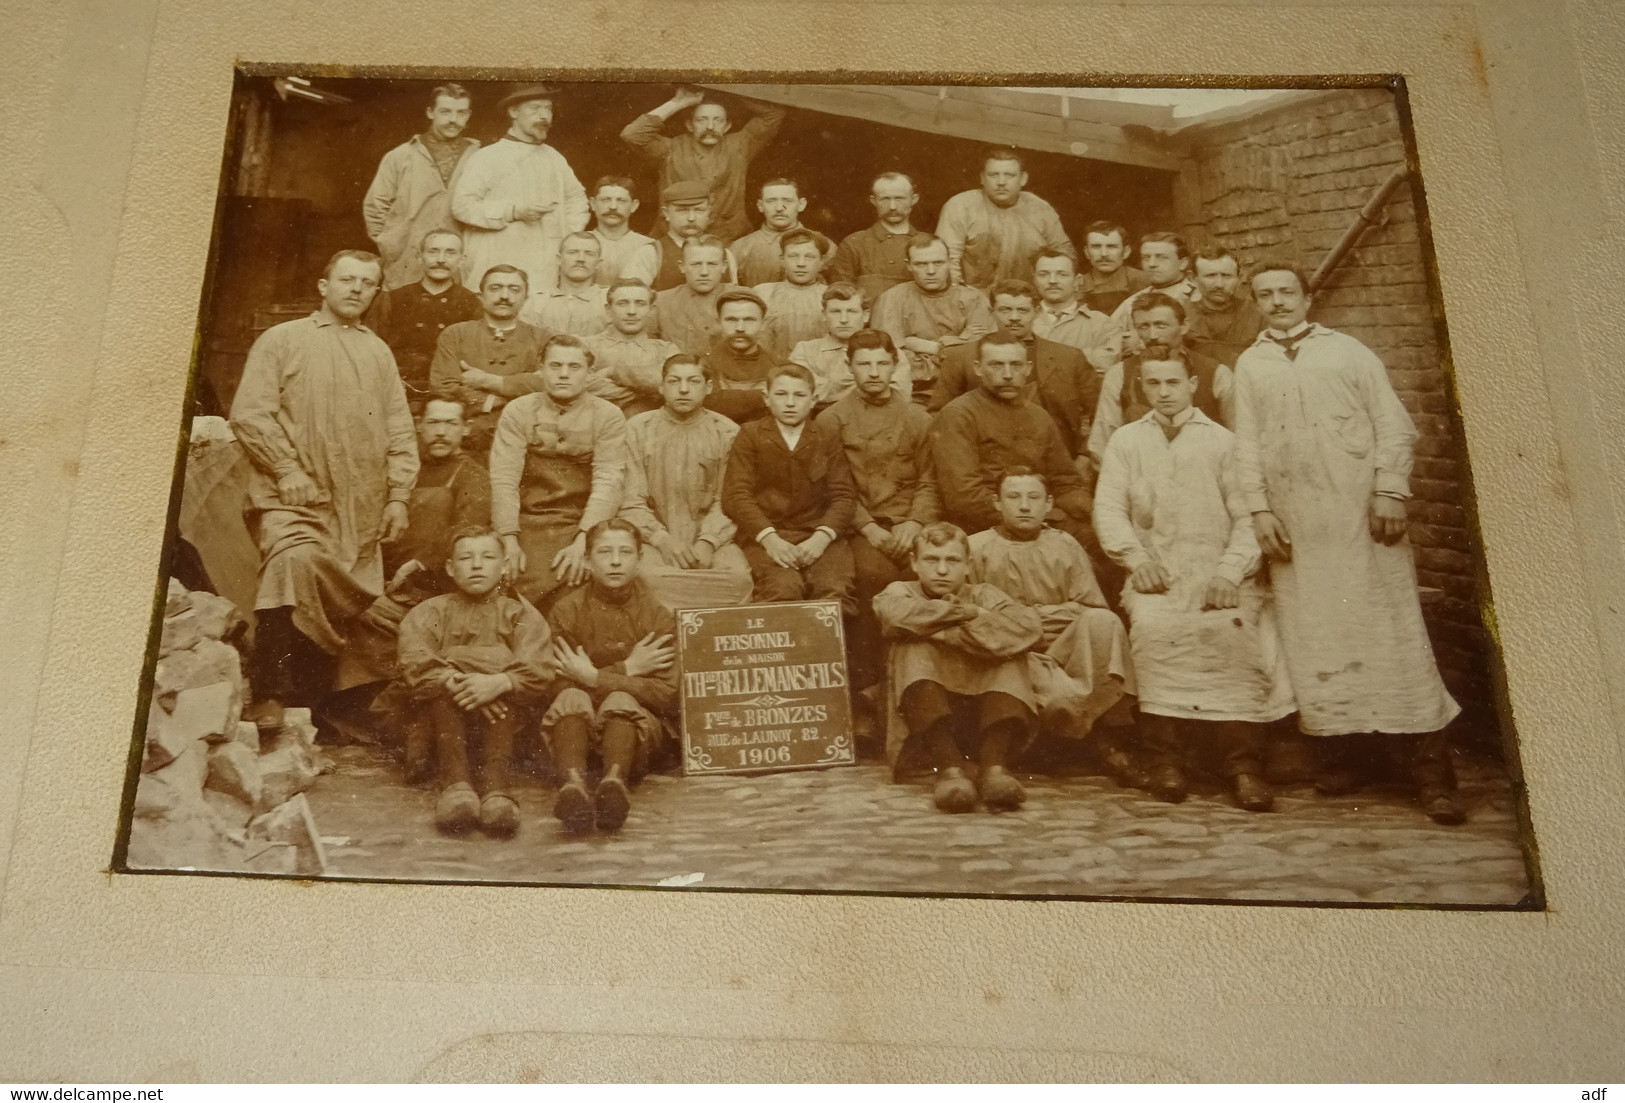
(616, 689)
(885, 437)
(736, 362)
(475, 658)
(453, 492)
(958, 672)
(673, 495)
(789, 489)
(795, 304)
(410, 319)
(1065, 318)
(575, 302)
(1158, 320)
(1170, 509)
(843, 315)
(626, 360)
(484, 363)
(760, 251)
(1061, 381)
(983, 433)
(931, 313)
(687, 315)
(1087, 672)
(557, 462)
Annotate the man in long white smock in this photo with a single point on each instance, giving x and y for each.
(518, 197)
(1325, 459)
(1169, 510)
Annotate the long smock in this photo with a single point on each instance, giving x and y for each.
(498, 180)
(1318, 435)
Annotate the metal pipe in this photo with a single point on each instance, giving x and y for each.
(1368, 215)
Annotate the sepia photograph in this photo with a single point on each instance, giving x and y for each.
(974, 489)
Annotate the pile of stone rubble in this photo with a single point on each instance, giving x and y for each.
(212, 795)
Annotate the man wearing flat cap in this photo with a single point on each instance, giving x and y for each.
(685, 209)
(711, 152)
(517, 198)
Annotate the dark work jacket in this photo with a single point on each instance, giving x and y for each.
(766, 485)
(1063, 382)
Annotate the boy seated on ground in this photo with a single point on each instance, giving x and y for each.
(616, 690)
(788, 488)
(1081, 670)
(474, 659)
(1169, 508)
(959, 673)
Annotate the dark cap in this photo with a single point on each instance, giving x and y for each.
(525, 93)
(686, 191)
(740, 295)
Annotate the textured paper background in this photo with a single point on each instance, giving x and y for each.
(116, 113)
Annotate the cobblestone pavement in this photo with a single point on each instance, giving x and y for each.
(849, 828)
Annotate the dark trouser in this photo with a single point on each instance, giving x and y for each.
(1240, 745)
(1424, 759)
(452, 726)
(953, 725)
(617, 747)
(288, 667)
(873, 571)
(828, 578)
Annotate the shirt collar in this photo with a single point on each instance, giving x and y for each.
(1184, 417)
(323, 318)
(790, 437)
(1299, 330)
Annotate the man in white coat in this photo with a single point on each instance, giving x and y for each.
(1325, 457)
(1169, 510)
(519, 198)
(410, 196)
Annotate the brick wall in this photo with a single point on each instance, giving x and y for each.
(1289, 181)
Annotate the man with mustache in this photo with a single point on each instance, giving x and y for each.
(995, 232)
(575, 303)
(485, 362)
(1325, 452)
(711, 153)
(623, 253)
(1109, 279)
(519, 197)
(411, 319)
(1227, 320)
(322, 416)
(876, 259)
(759, 252)
(411, 193)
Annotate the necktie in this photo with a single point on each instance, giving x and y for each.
(1289, 345)
(1169, 431)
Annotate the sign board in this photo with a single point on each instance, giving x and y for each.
(764, 688)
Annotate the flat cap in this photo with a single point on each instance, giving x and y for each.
(740, 295)
(686, 191)
(527, 92)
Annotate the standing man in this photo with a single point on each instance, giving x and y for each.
(486, 362)
(1225, 323)
(930, 313)
(826, 357)
(575, 302)
(1325, 456)
(710, 153)
(876, 259)
(322, 416)
(556, 469)
(1061, 380)
(686, 210)
(411, 193)
(411, 319)
(686, 315)
(1166, 261)
(519, 197)
(758, 252)
(982, 434)
(1063, 318)
(1109, 279)
(996, 232)
(624, 254)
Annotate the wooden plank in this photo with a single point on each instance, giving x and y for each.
(925, 108)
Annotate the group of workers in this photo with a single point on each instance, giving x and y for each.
(1154, 509)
